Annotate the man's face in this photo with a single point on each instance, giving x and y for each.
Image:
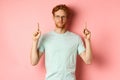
(60, 18)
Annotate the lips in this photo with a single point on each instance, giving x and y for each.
(60, 22)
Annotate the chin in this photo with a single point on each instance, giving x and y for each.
(60, 26)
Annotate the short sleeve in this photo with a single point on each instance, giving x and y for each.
(41, 47)
(81, 47)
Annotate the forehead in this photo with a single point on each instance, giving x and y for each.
(60, 12)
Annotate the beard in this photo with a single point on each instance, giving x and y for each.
(60, 25)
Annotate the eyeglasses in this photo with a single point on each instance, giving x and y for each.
(59, 17)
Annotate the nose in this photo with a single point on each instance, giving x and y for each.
(61, 19)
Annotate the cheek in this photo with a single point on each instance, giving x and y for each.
(55, 20)
(65, 20)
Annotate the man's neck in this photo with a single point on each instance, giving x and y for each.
(60, 30)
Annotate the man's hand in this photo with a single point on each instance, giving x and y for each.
(86, 32)
(87, 54)
(35, 54)
(36, 34)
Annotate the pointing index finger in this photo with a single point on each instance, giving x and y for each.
(38, 27)
(85, 26)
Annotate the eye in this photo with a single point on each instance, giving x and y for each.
(57, 16)
(63, 17)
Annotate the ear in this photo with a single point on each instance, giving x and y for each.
(53, 17)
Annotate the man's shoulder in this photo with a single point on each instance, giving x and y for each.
(47, 33)
(74, 34)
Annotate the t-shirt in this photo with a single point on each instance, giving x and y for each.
(60, 54)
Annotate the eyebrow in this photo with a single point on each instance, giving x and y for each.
(60, 16)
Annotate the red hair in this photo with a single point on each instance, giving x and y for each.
(61, 7)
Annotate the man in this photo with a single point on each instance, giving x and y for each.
(60, 47)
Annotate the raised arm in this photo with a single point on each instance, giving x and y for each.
(35, 54)
(87, 54)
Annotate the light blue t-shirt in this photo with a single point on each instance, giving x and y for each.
(60, 54)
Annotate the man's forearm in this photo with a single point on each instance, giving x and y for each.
(34, 54)
(88, 51)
